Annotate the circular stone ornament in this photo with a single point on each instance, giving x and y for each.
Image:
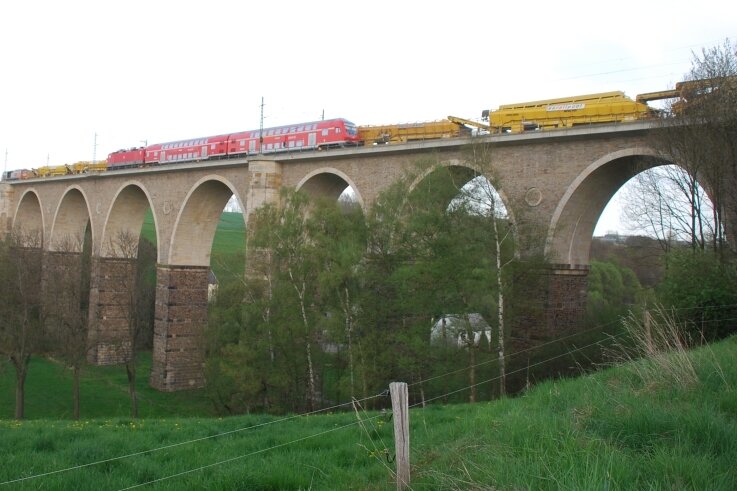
(533, 197)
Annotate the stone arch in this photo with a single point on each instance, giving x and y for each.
(462, 172)
(70, 220)
(125, 218)
(574, 219)
(328, 182)
(194, 229)
(29, 218)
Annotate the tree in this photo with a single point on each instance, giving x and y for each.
(481, 195)
(66, 315)
(282, 235)
(338, 236)
(20, 311)
(700, 133)
(669, 203)
(135, 300)
(612, 290)
(702, 288)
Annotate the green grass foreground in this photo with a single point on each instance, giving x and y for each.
(103, 393)
(632, 427)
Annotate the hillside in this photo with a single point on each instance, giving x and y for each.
(669, 423)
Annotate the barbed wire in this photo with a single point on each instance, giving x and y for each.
(188, 442)
(256, 452)
(352, 402)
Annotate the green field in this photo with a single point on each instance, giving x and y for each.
(636, 426)
(228, 246)
(104, 393)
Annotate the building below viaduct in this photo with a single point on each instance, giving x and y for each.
(554, 185)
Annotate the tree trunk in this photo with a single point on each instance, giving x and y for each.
(500, 313)
(21, 371)
(75, 392)
(349, 338)
(311, 386)
(130, 368)
(20, 395)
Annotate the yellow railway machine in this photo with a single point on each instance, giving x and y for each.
(564, 112)
(82, 167)
(402, 133)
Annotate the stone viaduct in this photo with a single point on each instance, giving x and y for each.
(556, 183)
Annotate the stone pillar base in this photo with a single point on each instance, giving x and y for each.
(553, 305)
(111, 296)
(180, 321)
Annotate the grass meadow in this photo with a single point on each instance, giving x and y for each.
(661, 422)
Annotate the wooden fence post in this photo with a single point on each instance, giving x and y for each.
(400, 414)
(648, 334)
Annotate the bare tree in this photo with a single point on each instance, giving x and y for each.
(700, 133)
(669, 204)
(135, 302)
(66, 315)
(20, 311)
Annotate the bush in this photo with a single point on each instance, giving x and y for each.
(702, 288)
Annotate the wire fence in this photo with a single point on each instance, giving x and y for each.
(354, 403)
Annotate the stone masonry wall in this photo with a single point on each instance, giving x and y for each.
(111, 284)
(180, 320)
(553, 306)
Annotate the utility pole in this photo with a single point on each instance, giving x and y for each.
(94, 151)
(261, 128)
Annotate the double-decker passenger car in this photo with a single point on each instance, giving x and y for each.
(315, 135)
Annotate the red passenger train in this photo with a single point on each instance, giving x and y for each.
(316, 135)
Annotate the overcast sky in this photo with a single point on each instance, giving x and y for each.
(154, 70)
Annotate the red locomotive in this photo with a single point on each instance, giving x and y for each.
(316, 135)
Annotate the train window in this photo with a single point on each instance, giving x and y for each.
(337, 130)
(325, 132)
(301, 128)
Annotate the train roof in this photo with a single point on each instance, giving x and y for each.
(224, 135)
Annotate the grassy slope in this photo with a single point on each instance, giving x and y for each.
(612, 430)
